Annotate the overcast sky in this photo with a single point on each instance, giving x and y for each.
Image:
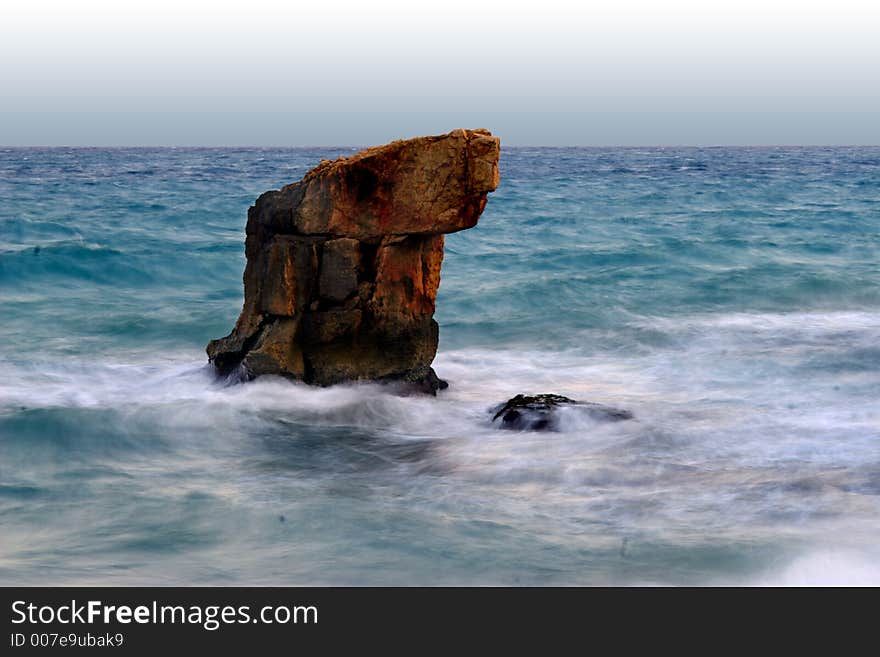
(548, 72)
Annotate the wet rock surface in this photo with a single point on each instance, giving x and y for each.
(542, 412)
(343, 266)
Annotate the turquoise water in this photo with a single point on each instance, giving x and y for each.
(729, 297)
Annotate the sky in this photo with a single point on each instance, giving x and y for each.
(347, 72)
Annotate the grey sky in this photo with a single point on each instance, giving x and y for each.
(265, 72)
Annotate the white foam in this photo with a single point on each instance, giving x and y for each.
(729, 442)
(826, 568)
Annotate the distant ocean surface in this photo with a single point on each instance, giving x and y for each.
(729, 297)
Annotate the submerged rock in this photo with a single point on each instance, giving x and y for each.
(343, 267)
(541, 412)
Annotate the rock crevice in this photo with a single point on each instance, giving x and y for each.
(343, 266)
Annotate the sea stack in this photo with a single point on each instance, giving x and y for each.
(343, 266)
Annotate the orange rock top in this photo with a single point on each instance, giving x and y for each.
(427, 185)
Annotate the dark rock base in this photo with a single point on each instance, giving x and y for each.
(540, 412)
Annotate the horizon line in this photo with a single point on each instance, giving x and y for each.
(304, 146)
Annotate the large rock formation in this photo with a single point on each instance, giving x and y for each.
(343, 266)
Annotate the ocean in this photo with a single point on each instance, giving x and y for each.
(728, 297)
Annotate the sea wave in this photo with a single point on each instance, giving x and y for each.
(727, 297)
